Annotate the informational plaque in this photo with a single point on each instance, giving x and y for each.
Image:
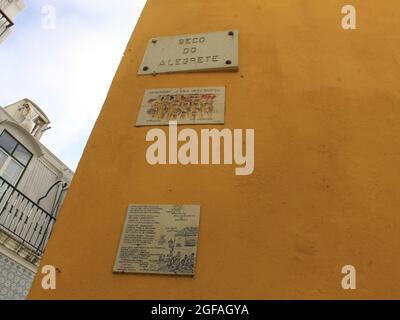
(184, 105)
(159, 239)
(192, 52)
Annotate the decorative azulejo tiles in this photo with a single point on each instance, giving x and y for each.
(15, 279)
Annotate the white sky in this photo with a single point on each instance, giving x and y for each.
(67, 71)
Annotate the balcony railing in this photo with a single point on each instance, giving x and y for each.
(22, 219)
(5, 23)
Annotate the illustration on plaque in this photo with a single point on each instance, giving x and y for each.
(159, 239)
(186, 106)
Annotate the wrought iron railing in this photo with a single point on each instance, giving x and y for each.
(22, 219)
(5, 23)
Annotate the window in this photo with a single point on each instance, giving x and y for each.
(7, 142)
(14, 158)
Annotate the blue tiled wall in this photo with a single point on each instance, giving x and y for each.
(15, 280)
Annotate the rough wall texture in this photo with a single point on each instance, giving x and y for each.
(324, 104)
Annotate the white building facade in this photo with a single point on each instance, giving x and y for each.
(9, 9)
(33, 184)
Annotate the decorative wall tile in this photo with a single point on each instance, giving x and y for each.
(15, 279)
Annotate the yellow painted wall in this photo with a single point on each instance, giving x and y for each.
(325, 106)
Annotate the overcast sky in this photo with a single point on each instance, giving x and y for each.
(68, 70)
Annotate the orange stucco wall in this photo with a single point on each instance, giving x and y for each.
(325, 106)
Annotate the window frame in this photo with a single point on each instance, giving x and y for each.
(14, 158)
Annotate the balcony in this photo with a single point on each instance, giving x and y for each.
(24, 220)
(5, 23)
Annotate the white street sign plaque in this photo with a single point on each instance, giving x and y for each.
(192, 53)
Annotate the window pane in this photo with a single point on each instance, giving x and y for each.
(3, 158)
(12, 172)
(7, 142)
(22, 155)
